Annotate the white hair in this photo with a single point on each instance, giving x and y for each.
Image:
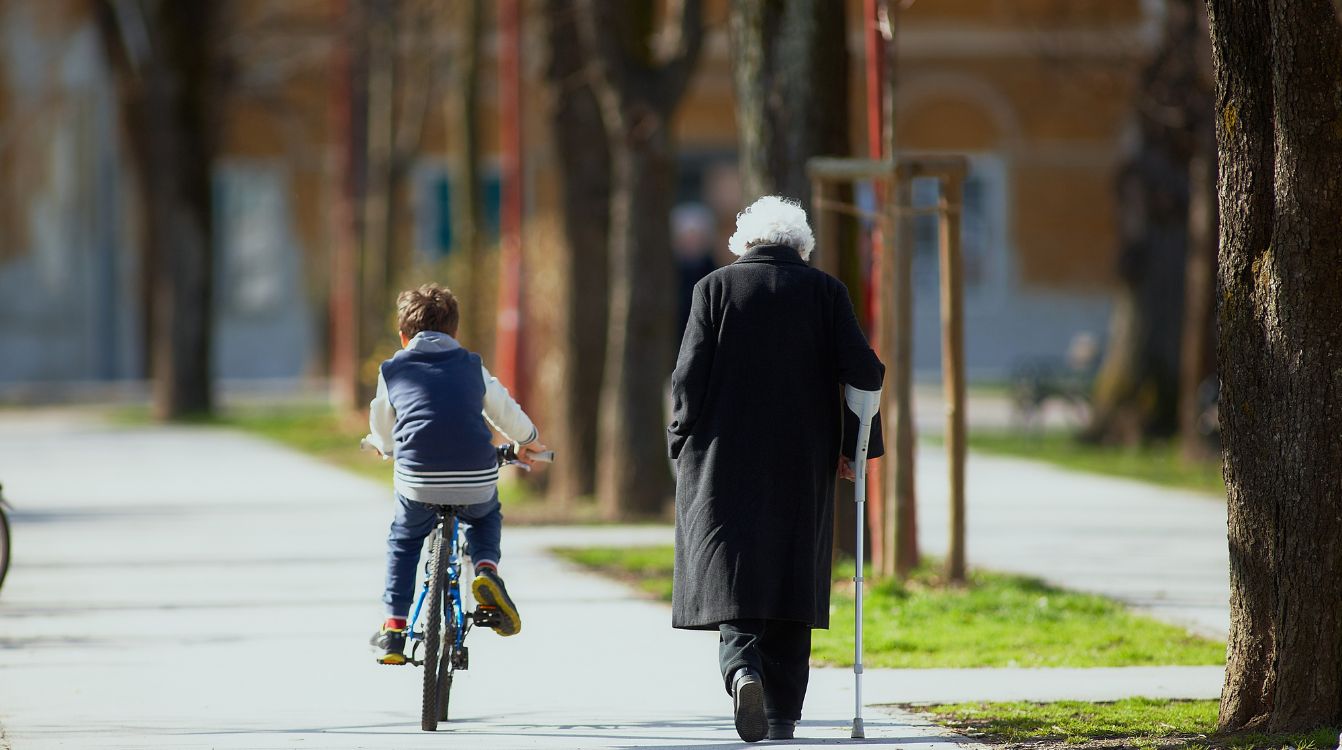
(772, 220)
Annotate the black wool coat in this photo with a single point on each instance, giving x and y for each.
(758, 421)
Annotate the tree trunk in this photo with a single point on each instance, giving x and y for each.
(753, 27)
(169, 78)
(632, 481)
(475, 321)
(1279, 129)
(637, 97)
(377, 227)
(1136, 390)
(584, 160)
(790, 66)
(1196, 351)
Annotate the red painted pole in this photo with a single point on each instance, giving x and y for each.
(875, 50)
(508, 357)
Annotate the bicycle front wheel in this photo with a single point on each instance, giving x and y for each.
(433, 633)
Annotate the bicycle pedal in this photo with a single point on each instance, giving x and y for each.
(486, 616)
(461, 658)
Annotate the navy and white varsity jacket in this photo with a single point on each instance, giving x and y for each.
(433, 399)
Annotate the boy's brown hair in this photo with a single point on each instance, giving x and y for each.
(428, 308)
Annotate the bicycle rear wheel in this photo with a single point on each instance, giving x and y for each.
(433, 632)
(4, 545)
(445, 671)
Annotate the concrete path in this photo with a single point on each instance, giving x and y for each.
(1157, 549)
(196, 588)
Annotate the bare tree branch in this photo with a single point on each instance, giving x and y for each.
(605, 60)
(675, 74)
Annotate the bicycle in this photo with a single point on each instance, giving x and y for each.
(446, 621)
(4, 537)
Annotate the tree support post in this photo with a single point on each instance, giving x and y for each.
(896, 528)
(953, 366)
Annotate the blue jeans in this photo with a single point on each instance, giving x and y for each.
(413, 523)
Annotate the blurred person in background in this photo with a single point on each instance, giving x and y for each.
(692, 231)
(759, 433)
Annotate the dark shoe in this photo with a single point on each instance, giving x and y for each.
(782, 730)
(490, 593)
(748, 706)
(390, 645)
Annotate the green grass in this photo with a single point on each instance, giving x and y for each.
(1079, 721)
(996, 620)
(1135, 722)
(646, 568)
(318, 432)
(1159, 463)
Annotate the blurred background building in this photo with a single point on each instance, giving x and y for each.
(1039, 93)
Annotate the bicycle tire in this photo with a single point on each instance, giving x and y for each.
(445, 673)
(433, 632)
(4, 545)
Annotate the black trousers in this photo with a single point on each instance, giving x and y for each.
(779, 651)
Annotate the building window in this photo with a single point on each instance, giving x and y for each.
(976, 230)
(256, 261)
(434, 235)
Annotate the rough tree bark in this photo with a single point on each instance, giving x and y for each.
(637, 96)
(170, 80)
(790, 66)
(1136, 390)
(584, 159)
(1279, 129)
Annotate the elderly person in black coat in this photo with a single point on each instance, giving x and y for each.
(758, 432)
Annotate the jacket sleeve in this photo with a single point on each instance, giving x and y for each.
(505, 414)
(859, 367)
(689, 382)
(381, 420)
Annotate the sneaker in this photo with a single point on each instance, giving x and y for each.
(490, 593)
(782, 730)
(748, 706)
(390, 643)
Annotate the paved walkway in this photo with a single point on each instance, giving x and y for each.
(196, 588)
(1157, 549)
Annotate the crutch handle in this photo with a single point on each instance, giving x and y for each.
(864, 404)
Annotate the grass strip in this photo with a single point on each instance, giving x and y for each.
(1131, 723)
(1159, 463)
(996, 620)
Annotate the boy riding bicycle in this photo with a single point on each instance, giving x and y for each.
(433, 399)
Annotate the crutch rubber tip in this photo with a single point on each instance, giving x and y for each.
(859, 733)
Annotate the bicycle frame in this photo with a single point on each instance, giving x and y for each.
(452, 603)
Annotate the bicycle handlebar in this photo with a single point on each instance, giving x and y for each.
(508, 455)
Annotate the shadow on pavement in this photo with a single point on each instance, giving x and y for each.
(660, 734)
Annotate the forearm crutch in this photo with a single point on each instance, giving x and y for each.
(864, 404)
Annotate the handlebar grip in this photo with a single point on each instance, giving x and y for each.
(508, 454)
